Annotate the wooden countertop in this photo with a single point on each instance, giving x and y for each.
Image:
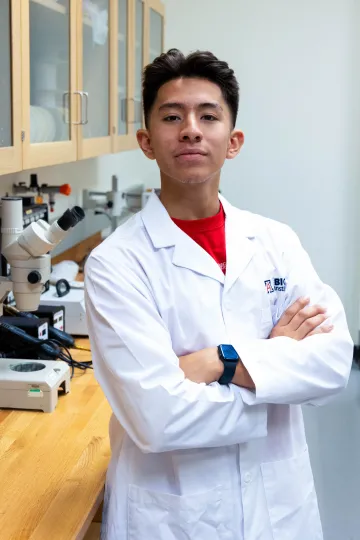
(53, 465)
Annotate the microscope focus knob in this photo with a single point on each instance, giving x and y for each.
(34, 277)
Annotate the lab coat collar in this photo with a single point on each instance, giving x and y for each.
(188, 254)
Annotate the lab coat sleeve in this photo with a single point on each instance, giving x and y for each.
(140, 375)
(311, 371)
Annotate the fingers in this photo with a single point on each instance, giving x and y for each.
(326, 329)
(301, 320)
(293, 310)
(309, 325)
(305, 316)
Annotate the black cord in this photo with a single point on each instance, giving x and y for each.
(57, 347)
(66, 357)
(86, 364)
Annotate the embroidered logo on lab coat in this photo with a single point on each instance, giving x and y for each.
(275, 284)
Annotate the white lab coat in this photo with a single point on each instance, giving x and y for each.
(196, 461)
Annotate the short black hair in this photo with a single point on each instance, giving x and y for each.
(200, 64)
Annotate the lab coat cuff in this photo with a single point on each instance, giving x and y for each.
(258, 413)
(250, 355)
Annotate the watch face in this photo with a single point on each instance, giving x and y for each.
(229, 352)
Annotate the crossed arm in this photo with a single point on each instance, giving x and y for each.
(298, 322)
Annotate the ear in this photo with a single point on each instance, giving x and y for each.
(235, 143)
(144, 141)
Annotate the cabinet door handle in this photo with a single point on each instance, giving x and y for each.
(124, 109)
(137, 111)
(85, 97)
(80, 122)
(66, 107)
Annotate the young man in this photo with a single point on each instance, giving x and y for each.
(207, 434)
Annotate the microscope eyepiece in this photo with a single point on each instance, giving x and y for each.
(70, 218)
(79, 212)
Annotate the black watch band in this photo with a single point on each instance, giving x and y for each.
(230, 359)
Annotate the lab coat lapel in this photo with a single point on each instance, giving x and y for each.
(239, 242)
(187, 253)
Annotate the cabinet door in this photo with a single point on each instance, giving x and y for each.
(149, 38)
(94, 31)
(140, 60)
(49, 70)
(156, 29)
(122, 77)
(10, 87)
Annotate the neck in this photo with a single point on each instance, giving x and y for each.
(190, 201)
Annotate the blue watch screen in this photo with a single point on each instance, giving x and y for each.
(229, 352)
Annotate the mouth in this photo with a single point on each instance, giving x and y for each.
(191, 158)
(191, 155)
(187, 151)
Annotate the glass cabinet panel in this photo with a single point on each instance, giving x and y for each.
(6, 135)
(139, 61)
(95, 100)
(156, 34)
(50, 111)
(123, 66)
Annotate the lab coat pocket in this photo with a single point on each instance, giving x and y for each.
(164, 516)
(291, 499)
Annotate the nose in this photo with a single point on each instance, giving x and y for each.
(191, 131)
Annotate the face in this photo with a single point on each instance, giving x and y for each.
(190, 131)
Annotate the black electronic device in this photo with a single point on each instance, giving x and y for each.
(38, 328)
(55, 314)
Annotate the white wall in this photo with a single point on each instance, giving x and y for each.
(298, 68)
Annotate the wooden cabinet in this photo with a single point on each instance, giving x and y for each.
(48, 42)
(95, 33)
(10, 87)
(132, 54)
(71, 77)
(156, 26)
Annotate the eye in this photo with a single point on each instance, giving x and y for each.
(209, 117)
(171, 118)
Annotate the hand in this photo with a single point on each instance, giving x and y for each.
(203, 366)
(300, 321)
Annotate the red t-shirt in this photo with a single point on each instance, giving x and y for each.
(209, 233)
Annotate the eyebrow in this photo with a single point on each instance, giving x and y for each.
(181, 106)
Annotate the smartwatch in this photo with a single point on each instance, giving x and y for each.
(230, 359)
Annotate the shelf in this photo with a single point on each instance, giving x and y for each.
(51, 4)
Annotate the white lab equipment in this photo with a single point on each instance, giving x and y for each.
(64, 270)
(74, 304)
(117, 204)
(209, 461)
(32, 384)
(27, 253)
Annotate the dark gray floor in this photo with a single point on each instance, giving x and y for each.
(333, 433)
